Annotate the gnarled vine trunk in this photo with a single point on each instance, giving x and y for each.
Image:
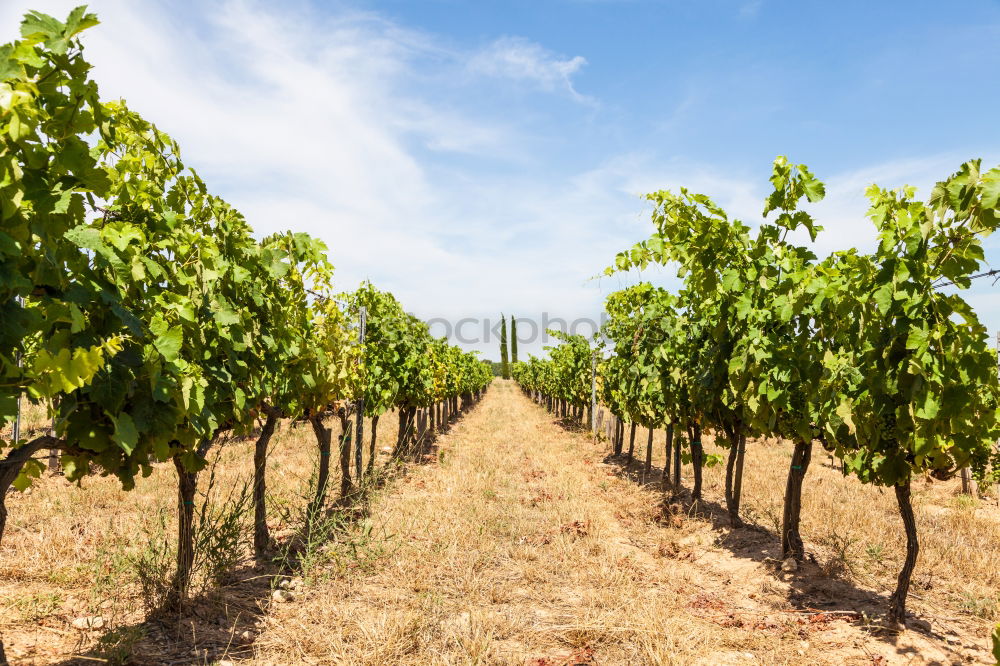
(648, 467)
(697, 458)
(371, 446)
(791, 540)
(402, 436)
(667, 451)
(734, 474)
(187, 484)
(324, 436)
(897, 602)
(261, 537)
(631, 443)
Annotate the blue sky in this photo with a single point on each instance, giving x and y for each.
(479, 157)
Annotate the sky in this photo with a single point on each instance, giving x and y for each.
(483, 157)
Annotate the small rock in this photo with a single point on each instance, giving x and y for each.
(952, 639)
(295, 584)
(790, 565)
(246, 637)
(284, 584)
(282, 596)
(87, 623)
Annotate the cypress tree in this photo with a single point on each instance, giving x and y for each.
(513, 340)
(504, 362)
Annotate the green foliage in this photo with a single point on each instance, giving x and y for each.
(513, 339)
(565, 374)
(404, 365)
(504, 359)
(142, 309)
(866, 353)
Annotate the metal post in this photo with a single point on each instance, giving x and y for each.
(593, 395)
(360, 425)
(17, 414)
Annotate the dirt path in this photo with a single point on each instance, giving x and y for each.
(520, 546)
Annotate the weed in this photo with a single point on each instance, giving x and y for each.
(37, 606)
(153, 565)
(117, 646)
(221, 530)
(765, 514)
(965, 503)
(987, 608)
(875, 552)
(841, 559)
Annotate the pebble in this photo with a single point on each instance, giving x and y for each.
(289, 583)
(282, 596)
(790, 565)
(86, 623)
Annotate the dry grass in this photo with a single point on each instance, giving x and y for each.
(854, 530)
(522, 546)
(72, 552)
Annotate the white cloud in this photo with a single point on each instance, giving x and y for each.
(316, 123)
(340, 126)
(523, 60)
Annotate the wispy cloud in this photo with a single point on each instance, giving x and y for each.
(522, 60)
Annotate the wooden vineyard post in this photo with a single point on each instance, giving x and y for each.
(360, 423)
(968, 484)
